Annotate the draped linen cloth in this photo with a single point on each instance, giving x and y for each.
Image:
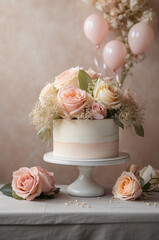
(104, 219)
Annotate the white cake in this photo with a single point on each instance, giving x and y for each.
(87, 139)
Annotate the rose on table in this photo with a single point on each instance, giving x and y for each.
(31, 183)
(132, 184)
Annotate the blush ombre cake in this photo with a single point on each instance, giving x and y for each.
(87, 139)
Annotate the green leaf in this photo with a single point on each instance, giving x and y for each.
(50, 195)
(139, 130)
(142, 182)
(7, 190)
(44, 133)
(84, 80)
(146, 187)
(120, 124)
(57, 190)
(45, 196)
(15, 196)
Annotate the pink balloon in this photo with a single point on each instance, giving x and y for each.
(140, 37)
(114, 54)
(96, 28)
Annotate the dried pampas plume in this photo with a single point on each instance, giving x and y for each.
(46, 109)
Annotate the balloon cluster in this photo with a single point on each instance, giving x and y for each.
(140, 38)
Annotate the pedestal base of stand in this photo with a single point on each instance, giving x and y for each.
(85, 186)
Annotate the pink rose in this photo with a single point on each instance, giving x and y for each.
(127, 187)
(73, 100)
(99, 112)
(28, 183)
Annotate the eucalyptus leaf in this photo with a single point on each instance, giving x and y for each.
(57, 190)
(45, 196)
(44, 133)
(84, 80)
(50, 195)
(15, 196)
(118, 123)
(139, 130)
(7, 190)
(146, 187)
(142, 182)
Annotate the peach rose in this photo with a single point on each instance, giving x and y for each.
(127, 187)
(28, 183)
(67, 78)
(99, 112)
(73, 100)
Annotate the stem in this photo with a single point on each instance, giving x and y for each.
(152, 179)
(123, 76)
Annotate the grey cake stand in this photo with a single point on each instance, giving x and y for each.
(84, 185)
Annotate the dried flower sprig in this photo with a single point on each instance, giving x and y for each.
(87, 112)
(45, 111)
(132, 115)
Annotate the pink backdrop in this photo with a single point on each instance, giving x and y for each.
(38, 40)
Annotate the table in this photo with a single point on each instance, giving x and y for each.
(101, 218)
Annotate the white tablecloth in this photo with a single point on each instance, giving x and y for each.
(104, 219)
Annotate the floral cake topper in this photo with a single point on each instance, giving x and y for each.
(86, 95)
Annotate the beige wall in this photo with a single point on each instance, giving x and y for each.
(38, 40)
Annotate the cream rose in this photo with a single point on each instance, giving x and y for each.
(73, 100)
(67, 78)
(127, 187)
(47, 92)
(28, 183)
(149, 172)
(108, 93)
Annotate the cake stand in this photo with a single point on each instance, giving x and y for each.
(84, 185)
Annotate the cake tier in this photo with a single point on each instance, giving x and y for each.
(86, 139)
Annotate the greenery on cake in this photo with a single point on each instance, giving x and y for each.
(85, 95)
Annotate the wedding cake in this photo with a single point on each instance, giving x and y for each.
(84, 111)
(88, 139)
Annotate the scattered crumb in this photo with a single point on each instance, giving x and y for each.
(66, 204)
(88, 206)
(110, 201)
(113, 197)
(76, 201)
(155, 204)
(148, 203)
(99, 197)
(70, 202)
